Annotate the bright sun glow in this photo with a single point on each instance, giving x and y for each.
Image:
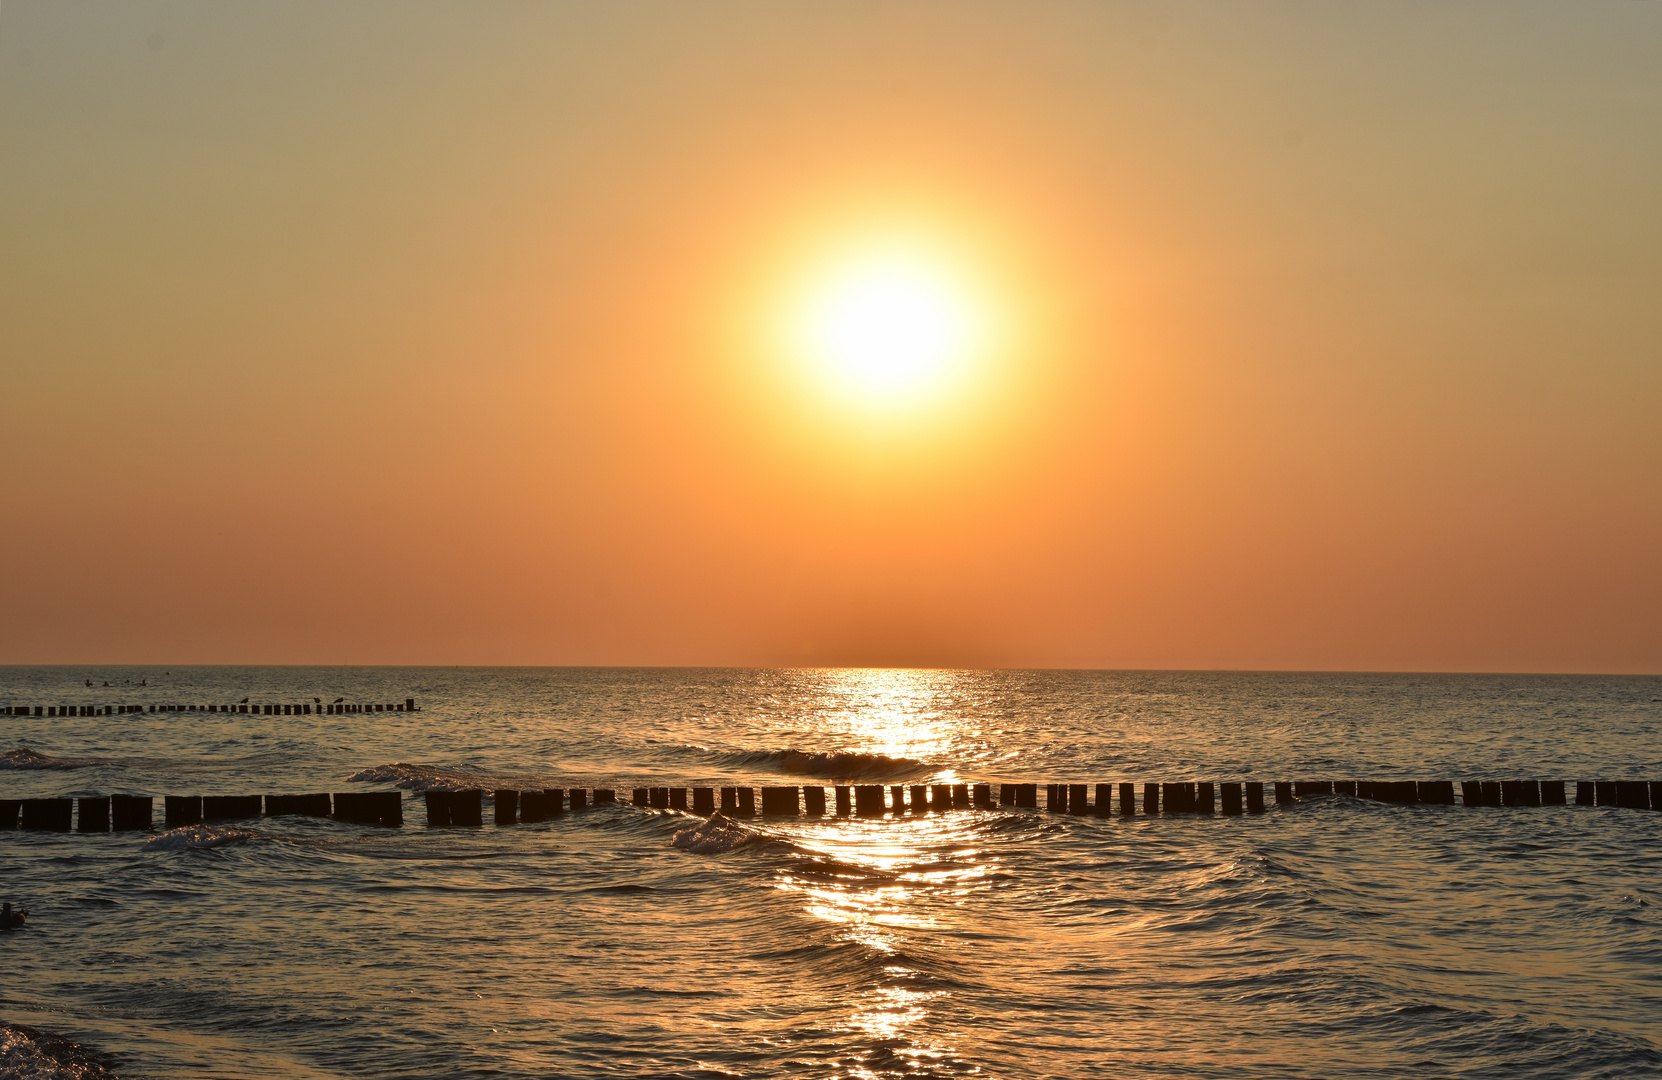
(887, 328)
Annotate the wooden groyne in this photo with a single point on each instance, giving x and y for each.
(270, 708)
(122, 813)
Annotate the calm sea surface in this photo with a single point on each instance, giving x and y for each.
(1332, 938)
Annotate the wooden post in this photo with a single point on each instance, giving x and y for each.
(659, 797)
(781, 801)
(1056, 798)
(1552, 793)
(1438, 792)
(940, 798)
(1104, 799)
(507, 806)
(93, 815)
(1203, 797)
(960, 797)
(1283, 792)
(298, 805)
(677, 798)
(181, 810)
(50, 815)
(868, 800)
(1604, 792)
(897, 801)
(983, 796)
(1151, 798)
(1077, 796)
(466, 807)
(439, 806)
(1656, 794)
(1491, 793)
(1255, 796)
(9, 809)
(1027, 796)
(1128, 799)
(579, 798)
(1306, 789)
(127, 813)
(641, 797)
(1344, 787)
(1007, 794)
(730, 801)
(1633, 794)
(747, 801)
(554, 802)
(604, 795)
(1172, 798)
(377, 807)
(920, 799)
(704, 801)
(533, 807)
(813, 800)
(1471, 792)
(1520, 792)
(230, 807)
(1231, 793)
(841, 794)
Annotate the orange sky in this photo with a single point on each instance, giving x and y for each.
(427, 333)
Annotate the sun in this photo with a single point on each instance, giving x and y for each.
(888, 327)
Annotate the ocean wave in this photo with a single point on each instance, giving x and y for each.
(717, 835)
(25, 758)
(421, 777)
(196, 836)
(31, 1054)
(849, 764)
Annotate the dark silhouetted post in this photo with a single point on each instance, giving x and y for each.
(507, 806)
(1027, 796)
(730, 801)
(677, 798)
(9, 809)
(1231, 797)
(897, 799)
(1306, 789)
(181, 810)
(466, 807)
(641, 797)
(1491, 793)
(781, 801)
(1255, 796)
(1604, 792)
(1077, 796)
(440, 806)
(1283, 792)
(1007, 794)
(982, 796)
(1344, 787)
(960, 797)
(747, 801)
(128, 813)
(1151, 798)
(659, 797)
(1633, 794)
(93, 815)
(1204, 797)
(377, 807)
(1128, 799)
(940, 798)
(1552, 793)
(533, 806)
(1439, 792)
(841, 795)
(604, 796)
(48, 815)
(868, 800)
(704, 801)
(1104, 800)
(920, 799)
(813, 800)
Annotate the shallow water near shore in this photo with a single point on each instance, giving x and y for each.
(1331, 937)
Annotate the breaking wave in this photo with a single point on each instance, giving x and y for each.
(31, 1054)
(25, 758)
(830, 763)
(196, 836)
(715, 836)
(422, 777)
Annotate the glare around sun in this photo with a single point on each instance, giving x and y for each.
(887, 328)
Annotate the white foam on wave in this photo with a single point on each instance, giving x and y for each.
(713, 837)
(29, 1054)
(25, 758)
(196, 836)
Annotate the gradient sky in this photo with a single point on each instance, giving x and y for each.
(406, 332)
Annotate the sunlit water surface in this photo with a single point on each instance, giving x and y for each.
(1329, 938)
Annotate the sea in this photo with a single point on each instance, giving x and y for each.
(1329, 937)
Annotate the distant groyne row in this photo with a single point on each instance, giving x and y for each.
(303, 708)
(120, 813)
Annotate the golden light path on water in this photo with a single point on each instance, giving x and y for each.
(886, 882)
